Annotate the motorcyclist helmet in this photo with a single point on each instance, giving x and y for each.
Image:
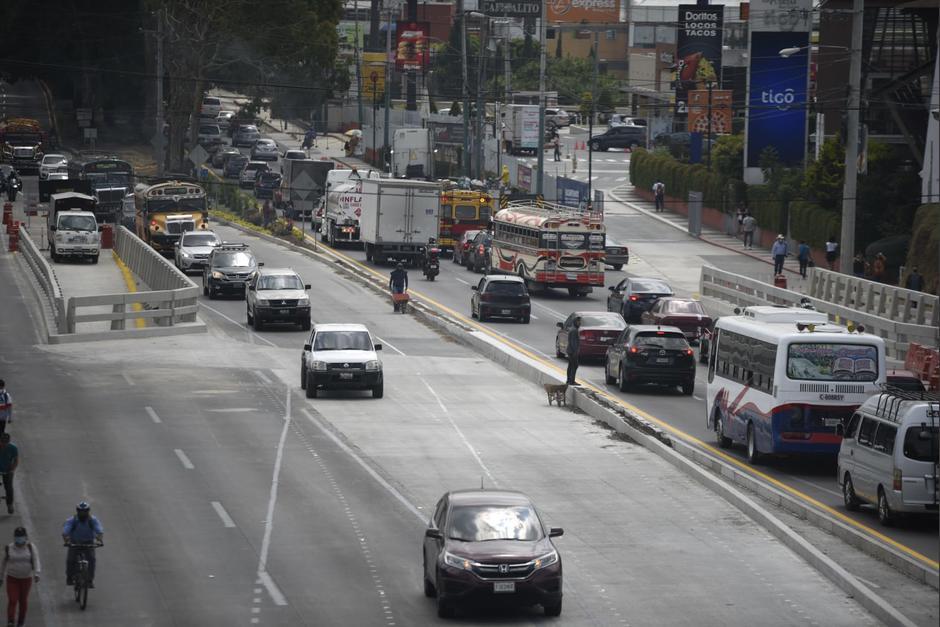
(400, 266)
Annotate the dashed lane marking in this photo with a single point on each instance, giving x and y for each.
(226, 519)
(390, 345)
(188, 465)
(153, 415)
(239, 324)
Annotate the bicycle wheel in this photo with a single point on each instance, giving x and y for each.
(84, 594)
(78, 592)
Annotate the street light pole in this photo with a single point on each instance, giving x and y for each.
(388, 81)
(161, 142)
(540, 179)
(465, 157)
(478, 153)
(358, 73)
(590, 198)
(850, 186)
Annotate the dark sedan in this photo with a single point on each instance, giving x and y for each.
(632, 296)
(478, 254)
(463, 246)
(266, 184)
(233, 166)
(651, 354)
(685, 313)
(598, 330)
(490, 545)
(500, 296)
(616, 255)
(222, 155)
(619, 137)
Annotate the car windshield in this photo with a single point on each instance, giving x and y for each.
(256, 166)
(921, 443)
(247, 129)
(270, 177)
(342, 341)
(237, 161)
(685, 307)
(832, 362)
(609, 321)
(483, 523)
(656, 287)
(506, 288)
(280, 282)
(77, 223)
(53, 159)
(200, 239)
(208, 130)
(264, 143)
(233, 260)
(670, 341)
(295, 154)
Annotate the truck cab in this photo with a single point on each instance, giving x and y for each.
(73, 228)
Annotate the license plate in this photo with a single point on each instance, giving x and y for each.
(832, 422)
(345, 375)
(663, 360)
(283, 312)
(503, 587)
(571, 277)
(607, 339)
(506, 311)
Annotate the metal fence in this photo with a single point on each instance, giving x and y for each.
(744, 291)
(44, 274)
(875, 298)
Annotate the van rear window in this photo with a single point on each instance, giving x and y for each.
(922, 448)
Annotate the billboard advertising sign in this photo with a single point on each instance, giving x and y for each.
(777, 97)
(590, 11)
(571, 193)
(781, 16)
(513, 8)
(720, 107)
(445, 133)
(698, 49)
(524, 178)
(411, 52)
(373, 75)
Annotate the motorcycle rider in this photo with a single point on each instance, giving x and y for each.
(12, 185)
(431, 251)
(82, 528)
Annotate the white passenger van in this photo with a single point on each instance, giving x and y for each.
(889, 454)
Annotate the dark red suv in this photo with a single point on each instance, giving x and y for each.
(484, 545)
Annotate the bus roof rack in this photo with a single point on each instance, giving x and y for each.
(551, 209)
(892, 398)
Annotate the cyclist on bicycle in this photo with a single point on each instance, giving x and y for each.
(82, 528)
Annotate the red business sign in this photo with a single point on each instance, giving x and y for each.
(412, 50)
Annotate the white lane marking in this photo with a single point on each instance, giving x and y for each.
(555, 313)
(264, 378)
(462, 281)
(386, 343)
(533, 316)
(240, 324)
(127, 378)
(226, 519)
(697, 397)
(460, 433)
(153, 415)
(263, 575)
(378, 478)
(188, 465)
(232, 410)
(817, 486)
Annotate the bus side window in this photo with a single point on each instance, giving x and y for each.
(853, 425)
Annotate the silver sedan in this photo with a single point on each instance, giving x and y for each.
(264, 149)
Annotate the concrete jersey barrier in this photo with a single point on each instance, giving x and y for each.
(875, 298)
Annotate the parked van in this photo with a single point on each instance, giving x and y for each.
(889, 453)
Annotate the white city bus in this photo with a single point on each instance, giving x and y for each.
(549, 245)
(784, 380)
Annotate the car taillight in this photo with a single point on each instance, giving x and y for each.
(633, 349)
(486, 297)
(480, 249)
(688, 352)
(634, 297)
(466, 245)
(898, 476)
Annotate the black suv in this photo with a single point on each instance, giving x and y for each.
(651, 354)
(228, 270)
(620, 137)
(500, 296)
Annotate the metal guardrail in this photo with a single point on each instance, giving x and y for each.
(875, 298)
(44, 274)
(744, 291)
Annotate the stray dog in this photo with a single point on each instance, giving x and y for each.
(556, 393)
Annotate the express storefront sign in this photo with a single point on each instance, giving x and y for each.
(590, 11)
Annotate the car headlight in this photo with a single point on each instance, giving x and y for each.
(217, 275)
(455, 561)
(303, 302)
(546, 560)
(183, 253)
(318, 365)
(374, 365)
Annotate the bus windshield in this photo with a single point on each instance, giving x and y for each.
(109, 179)
(573, 241)
(165, 205)
(832, 362)
(465, 212)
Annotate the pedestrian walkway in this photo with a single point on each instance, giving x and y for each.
(627, 195)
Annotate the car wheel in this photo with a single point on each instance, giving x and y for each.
(94, 259)
(311, 387)
(444, 608)
(259, 325)
(622, 380)
(753, 455)
(885, 516)
(617, 266)
(558, 352)
(688, 388)
(211, 293)
(378, 391)
(848, 495)
(723, 441)
(303, 376)
(480, 315)
(205, 290)
(609, 380)
(552, 609)
(596, 146)
(305, 325)
(525, 319)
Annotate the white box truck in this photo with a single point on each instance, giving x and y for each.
(342, 204)
(523, 120)
(398, 218)
(411, 149)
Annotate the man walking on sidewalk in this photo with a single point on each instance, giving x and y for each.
(802, 253)
(9, 460)
(659, 195)
(779, 252)
(6, 406)
(573, 350)
(748, 225)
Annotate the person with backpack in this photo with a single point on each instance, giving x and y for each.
(9, 460)
(6, 406)
(20, 570)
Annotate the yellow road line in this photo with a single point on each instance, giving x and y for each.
(667, 427)
(131, 284)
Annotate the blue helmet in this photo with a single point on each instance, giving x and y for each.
(83, 507)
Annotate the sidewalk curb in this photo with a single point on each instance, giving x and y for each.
(707, 240)
(680, 454)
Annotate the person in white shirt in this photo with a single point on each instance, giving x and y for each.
(6, 406)
(20, 569)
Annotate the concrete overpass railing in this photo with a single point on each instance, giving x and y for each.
(875, 298)
(744, 291)
(45, 275)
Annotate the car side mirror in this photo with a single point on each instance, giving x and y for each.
(306, 286)
(555, 532)
(612, 288)
(474, 288)
(560, 325)
(433, 533)
(378, 347)
(261, 264)
(306, 347)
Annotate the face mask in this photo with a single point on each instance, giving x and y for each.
(20, 540)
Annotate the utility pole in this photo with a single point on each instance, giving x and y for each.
(161, 140)
(708, 147)
(465, 156)
(388, 81)
(590, 197)
(478, 130)
(359, 72)
(850, 187)
(507, 65)
(411, 102)
(540, 180)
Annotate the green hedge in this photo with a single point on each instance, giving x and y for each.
(925, 244)
(681, 178)
(810, 222)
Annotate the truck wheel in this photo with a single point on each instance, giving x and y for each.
(94, 259)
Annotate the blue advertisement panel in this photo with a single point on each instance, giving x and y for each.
(571, 193)
(777, 99)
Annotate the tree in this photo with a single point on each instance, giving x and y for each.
(822, 181)
(728, 156)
